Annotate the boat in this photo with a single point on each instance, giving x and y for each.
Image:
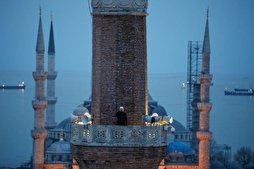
(21, 85)
(239, 92)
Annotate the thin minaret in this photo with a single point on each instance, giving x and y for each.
(39, 103)
(204, 106)
(50, 113)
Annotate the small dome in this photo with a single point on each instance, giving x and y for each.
(177, 147)
(80, 111)
(60, 147)
(178, 126)
(160, 111)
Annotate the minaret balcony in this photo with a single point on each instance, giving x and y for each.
(51, 75)
(39, 133)
(118, 136)
(204, 107)
(50, 125)
(40, 75)
(51, 99)
(39, 104)
(204, 135)
(205, 79)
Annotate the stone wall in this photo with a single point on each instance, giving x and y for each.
(119, 68)
(118, 157)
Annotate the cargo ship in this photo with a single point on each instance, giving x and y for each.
(21, 85)
(239, 92)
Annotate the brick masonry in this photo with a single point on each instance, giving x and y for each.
(119, 68)
(118, 157)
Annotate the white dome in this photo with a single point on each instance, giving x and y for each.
(80, 111)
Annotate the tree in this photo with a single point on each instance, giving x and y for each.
(243, 156)
(221, 154)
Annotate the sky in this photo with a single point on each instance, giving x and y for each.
(170, 25)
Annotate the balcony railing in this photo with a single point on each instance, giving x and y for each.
(114, 135)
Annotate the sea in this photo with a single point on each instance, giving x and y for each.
(231, 118)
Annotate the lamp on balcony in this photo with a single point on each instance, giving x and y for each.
(160, 120)
(81, 116)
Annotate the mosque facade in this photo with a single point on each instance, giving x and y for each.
(119, 78)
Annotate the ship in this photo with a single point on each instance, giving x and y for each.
(240, 92)
(21, 85)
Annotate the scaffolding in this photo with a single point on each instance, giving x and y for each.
(193, 85)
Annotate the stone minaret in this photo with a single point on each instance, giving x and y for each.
(50, 113)
(204, 106)
(119, 78)
(119, 60)
(39, 103)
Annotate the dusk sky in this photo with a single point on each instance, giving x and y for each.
(170, 25)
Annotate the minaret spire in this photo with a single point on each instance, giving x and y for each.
(51, 47)
(50, 113)
(40, 41)
(39, 103)
(206, 47)
(207, 13)
(204, 106)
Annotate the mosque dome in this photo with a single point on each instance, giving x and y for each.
(59, 152)
(153, 107)
(179, 148)
(178, 126)
(64, 125)
(60, 147)
(160, 111)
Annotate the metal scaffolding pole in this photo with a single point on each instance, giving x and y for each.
(193, 86)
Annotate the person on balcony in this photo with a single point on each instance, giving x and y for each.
(121, 117)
